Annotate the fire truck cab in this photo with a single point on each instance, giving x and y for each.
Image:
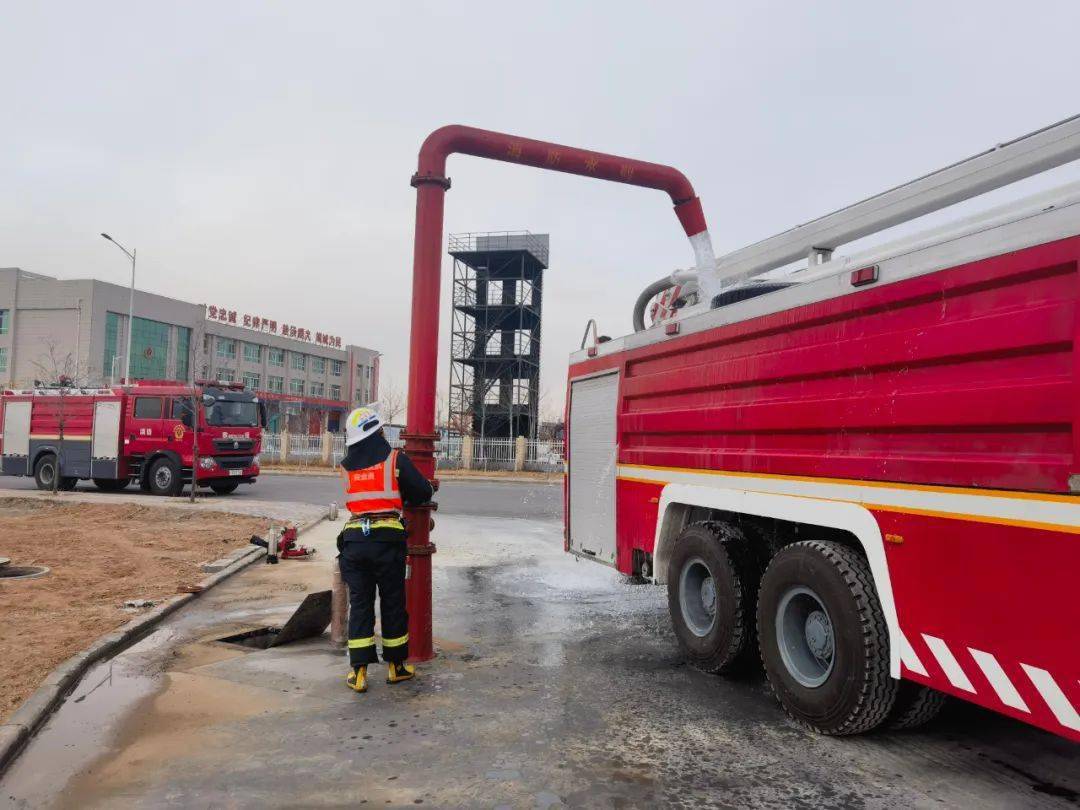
(157, 433)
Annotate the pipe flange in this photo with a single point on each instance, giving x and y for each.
(425, 550)
(431, 436)
(430, 180)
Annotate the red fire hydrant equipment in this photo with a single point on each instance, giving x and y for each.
(431, 184)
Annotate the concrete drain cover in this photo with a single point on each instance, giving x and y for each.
(8, 571)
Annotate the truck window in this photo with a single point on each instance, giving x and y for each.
(182, 410)
(147, 407)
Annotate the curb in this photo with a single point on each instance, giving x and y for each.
(20, 728)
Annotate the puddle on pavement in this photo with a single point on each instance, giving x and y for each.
(79, 730)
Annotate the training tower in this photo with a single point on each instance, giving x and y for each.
(495, 332)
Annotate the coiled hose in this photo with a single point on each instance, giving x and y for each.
(646, 296)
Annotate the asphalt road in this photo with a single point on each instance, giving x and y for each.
(514, 499)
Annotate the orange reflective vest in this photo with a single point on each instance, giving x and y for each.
(373, 489)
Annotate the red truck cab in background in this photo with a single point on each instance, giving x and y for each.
(145, 432)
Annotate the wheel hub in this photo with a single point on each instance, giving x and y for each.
(163, 477)
(819, 635)
(804, 634)
(697, 597)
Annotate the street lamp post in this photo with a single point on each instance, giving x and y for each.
(131, 309)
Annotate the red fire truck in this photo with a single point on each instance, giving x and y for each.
(144, 432)
(864, 473)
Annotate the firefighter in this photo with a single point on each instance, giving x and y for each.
(379, 481)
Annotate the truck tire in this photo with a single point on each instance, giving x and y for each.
(916, 705)
(164, 477)
(823, 639)
(710, 598)
(111, 484)
(44, 470)
(224, 487)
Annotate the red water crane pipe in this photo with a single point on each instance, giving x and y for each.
(431, 184)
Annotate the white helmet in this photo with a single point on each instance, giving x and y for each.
(362, 422)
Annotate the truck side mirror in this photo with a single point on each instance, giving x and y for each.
(262, 414)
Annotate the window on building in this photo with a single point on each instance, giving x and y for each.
(335, 392)
(3, 359)
(147, 407)
(491, 396)
(318, 365)
(337, 367)
(275, 385)
(225, 375)
(253, 381)
(299, 361)
(318, 389)
(4, 318)
(252, 353)
(226, 349)
(359, 396)
(276, 357)
(183, 352)
(149, 350)
(296, 387)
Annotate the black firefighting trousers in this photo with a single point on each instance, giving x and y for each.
(366, 564)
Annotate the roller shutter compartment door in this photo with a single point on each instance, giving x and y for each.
(593, 453)
(16, 438)
(106, 439)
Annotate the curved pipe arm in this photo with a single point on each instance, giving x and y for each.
(455, 138)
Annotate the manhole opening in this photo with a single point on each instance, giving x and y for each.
(258, 639)
(22, 571)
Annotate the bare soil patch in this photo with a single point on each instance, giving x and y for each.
(100, 556)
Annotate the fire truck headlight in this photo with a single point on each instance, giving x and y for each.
(207, 463)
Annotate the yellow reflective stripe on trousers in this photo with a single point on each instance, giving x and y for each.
(385, 523)
(395, 642)
(357, 643)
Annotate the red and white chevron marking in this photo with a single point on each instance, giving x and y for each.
(959, 667)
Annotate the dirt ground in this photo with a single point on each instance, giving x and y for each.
(100, 557)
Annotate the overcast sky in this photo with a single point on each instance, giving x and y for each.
(258, 155)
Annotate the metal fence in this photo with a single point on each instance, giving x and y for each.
(487, 454)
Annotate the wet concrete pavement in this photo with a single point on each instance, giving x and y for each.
(558, 683)
(538, 500)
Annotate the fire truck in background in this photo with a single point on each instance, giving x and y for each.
(143, 433)
(865, 473)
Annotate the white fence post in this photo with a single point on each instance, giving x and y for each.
(519, 454)
(466, 452)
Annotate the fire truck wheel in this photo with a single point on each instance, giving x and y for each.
(111, 484)
(44, 472)
(916, 705)
(823, 639)
(224, 487)
(710, 598)
(165, 478)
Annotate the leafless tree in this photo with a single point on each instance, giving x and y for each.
(391, 401)
(56, 371)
